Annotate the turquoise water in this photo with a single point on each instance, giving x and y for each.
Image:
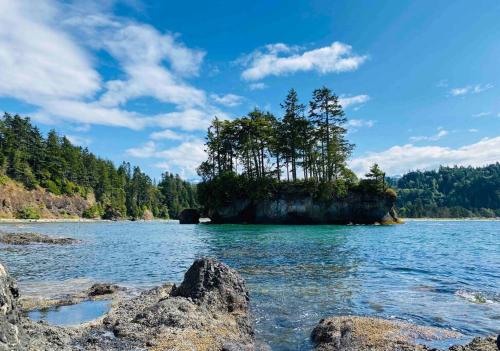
(73, 314)
(439, 273)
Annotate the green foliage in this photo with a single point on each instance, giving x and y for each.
(28, 213)
(93, 212)
(453, 192)
(64, 169)
(259, 145)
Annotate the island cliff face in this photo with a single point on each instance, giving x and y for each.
(355, 208)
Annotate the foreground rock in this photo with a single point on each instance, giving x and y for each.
(189, 216)
(346, 333)
(33, 238)
(11, 334)
(208, 311)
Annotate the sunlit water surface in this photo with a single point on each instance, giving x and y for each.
(439, 273)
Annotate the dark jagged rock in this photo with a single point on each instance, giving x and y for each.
(11, 335)
(357, 208)
(34, 238)
(206, 312)
(212, 282)
(351, 333)
(189, 216)
(100, 289)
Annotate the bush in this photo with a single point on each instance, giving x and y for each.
(94, 211)
(52, 187)
(28, 212)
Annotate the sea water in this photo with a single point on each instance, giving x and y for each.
(435, 273)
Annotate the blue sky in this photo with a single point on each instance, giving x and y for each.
(140, 80)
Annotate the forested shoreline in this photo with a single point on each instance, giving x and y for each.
(53, 163)
(450, 192)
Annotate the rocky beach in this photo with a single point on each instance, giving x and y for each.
(209, 310)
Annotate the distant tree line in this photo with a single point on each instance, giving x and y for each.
(55, 164)
(257, 153)
(450, 192)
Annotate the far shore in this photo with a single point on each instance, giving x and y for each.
(86, 220)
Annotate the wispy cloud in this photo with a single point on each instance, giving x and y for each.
(79, 140)
(257, 86)
(473, 130)
(229, 100)
(400, 159)
(481, 114)
(441, 133)
(281, 59)
(184, 158)
(168, 134)
(471, 89)
(358, 123)
(347, 101)
(48, 68)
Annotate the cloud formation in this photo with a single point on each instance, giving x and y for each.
(280, 59)
(441, 133)
(229, 100)
(471, 89)
(401, 159)
(43, 64)
(347, 101)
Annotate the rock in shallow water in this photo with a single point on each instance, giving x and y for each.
(206, 312)
(33, 238)
(353, 333)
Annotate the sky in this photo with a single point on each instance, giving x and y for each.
(141, 80)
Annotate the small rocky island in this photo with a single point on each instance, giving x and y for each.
(208, 311)
(290, 170)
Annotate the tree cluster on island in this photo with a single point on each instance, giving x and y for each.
(53, 163)
(305, 151)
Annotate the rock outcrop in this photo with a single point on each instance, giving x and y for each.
(11, 332)
(356, 208)
(34, 238)
(189, 216)
(208, 311)
(18, 202)
(351, 333)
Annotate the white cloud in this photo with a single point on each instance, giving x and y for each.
(347, 101)
(473, 130)
(229, 100)
(145, 151)
(280, 59)
(167, 134)
(43, 64)
(400, 159)
(471, 89)
(441, 133)
(79, 140)
(357, 123)
(187, 120)
(38, 61)
(183, 158)
(257, 86)
(481, 114)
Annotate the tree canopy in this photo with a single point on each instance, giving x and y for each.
(55, 164)
(450, 192)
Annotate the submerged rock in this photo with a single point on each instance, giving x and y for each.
(34, 238)
(351, 333)
(189, 216)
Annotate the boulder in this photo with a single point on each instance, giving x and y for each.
(354, 333)
(34, 238)
(189, 216)
(208, 281)
(11, 332)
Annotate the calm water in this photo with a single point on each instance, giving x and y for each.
(440, 273)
